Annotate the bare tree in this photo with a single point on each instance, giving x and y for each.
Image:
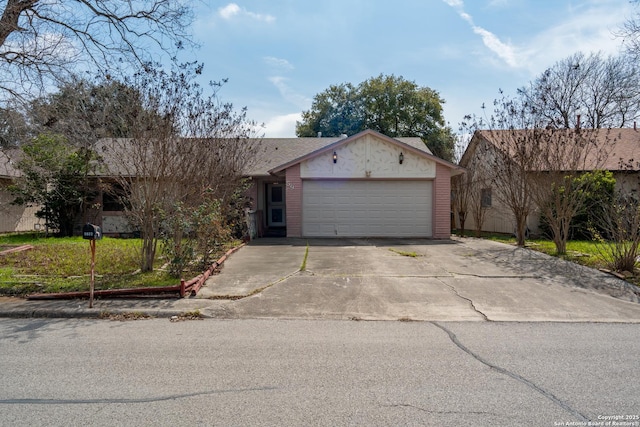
(604, 92)
(12, 127)
(630, 32)
(560, 183)
(42, 40)
(508, 154)
(477, 203)
(543, 169)
(470, 187)
(619, 238)
(186, 148)
(461, 187)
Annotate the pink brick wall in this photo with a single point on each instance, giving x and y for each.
(294, 201)
(442, 203)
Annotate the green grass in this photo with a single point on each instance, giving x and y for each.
(585, 252)
(303, 267)
(404, 253)
(64, 265)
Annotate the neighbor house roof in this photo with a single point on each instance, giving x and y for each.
(621, 146)
(274, 153)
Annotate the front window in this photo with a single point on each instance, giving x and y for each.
(485, 198)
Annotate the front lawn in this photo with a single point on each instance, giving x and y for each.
(584, 252)
(64, 264)
(580, 251)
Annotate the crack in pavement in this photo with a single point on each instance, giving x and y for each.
(494, 276)
(126, 401)
(473, 306)
(550, 396)
(407, 405)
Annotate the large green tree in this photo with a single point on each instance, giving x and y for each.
(85, 111)
(71, 120)
(388, 104)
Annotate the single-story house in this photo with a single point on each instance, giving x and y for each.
(617, 150)
(14, 218)
(365, 185)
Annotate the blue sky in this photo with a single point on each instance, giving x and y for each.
(278, 54)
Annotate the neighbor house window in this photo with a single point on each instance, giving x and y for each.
(113, 198)
(485, 198)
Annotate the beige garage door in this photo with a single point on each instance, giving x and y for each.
(367, 208)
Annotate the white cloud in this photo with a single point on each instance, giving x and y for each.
(454, 3)
(232, 10)
(503, 50)
(288, 93)
(283, 126)
(587, 29)
(590, 31)
(229, 11)
(278, 63)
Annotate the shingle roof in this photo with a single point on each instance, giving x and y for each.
(274, 152)
(271, 153)
(621, 145)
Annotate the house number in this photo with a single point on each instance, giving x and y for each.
(291, 185)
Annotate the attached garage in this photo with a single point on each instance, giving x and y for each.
(365, 185)
(355, 208)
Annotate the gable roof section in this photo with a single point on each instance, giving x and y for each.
(273, 152)
(623, 146)
(415, 145)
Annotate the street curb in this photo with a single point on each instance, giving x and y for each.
(84, 313)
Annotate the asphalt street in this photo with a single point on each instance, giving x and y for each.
(316, 372)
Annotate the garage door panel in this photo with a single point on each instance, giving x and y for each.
(367, 208)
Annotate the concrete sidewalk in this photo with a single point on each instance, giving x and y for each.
(376, 279)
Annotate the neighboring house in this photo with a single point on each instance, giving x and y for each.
(13, 217)
(365, 185)
(618, 151)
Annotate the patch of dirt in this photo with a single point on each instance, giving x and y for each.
(123, 317)
(192, 315)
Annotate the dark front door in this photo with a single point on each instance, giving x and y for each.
(275, 205)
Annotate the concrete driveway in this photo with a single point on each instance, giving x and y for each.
(376, 279)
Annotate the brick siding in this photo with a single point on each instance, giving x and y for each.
(294, 201)
(442, 203)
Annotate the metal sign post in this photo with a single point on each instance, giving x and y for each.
(92, 233)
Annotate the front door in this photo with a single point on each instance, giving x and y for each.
(275, 205)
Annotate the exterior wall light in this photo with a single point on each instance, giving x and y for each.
(335, 157)
(401, 158)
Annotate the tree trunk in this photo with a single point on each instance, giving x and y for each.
(148, 249)
(462, 216)
(521, 229)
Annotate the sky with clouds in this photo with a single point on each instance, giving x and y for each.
(279, 54)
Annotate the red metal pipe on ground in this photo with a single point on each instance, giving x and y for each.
(108, 292)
